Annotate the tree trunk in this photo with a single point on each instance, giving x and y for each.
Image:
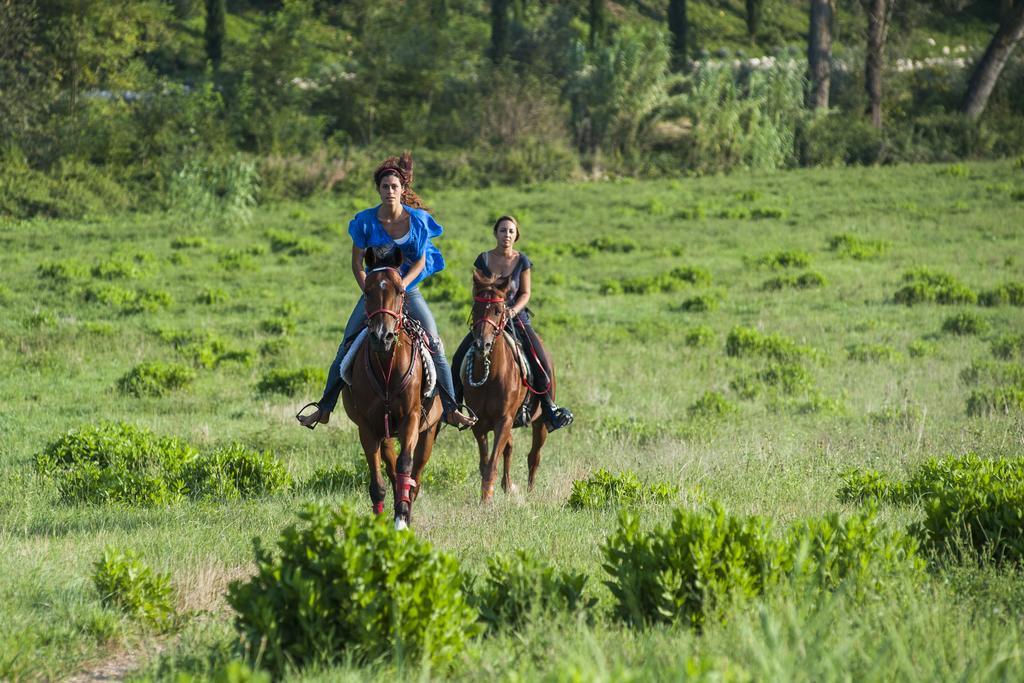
(215, 30)
(597, 22)
(879, 13)
(753, 18)
(677, 26)
(983, 80)
(499, 30)
(819, 52)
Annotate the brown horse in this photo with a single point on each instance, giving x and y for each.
(384, 397)
(494, 387)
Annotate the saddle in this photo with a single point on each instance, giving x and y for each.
(420, 339)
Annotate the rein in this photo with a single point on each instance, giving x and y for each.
(383, 389)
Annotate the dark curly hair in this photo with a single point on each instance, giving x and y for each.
(401, 168)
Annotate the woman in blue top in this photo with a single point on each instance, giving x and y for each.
(402, 222)
(505, 262)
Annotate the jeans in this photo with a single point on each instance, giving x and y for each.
(416, 307)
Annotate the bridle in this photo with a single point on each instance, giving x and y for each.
(398, 315)
(498, 326)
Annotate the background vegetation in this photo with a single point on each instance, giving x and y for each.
(215, 105)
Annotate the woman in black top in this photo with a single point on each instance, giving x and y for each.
(505, 262)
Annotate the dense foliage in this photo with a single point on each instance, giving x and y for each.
(344, 586)
(125, 582)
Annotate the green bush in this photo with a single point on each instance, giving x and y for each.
(602, 489)
(920, 348)
(63, 271)
(711, 404)
(518, 586)
(872, 353)
(129, 585)
(279, 325)
(992, 372)
(785, 259)
(116, 268)
(124, 464)
(347, 587)
(290, 382)
(1009, 346)
(155, 379)
(703, 560)
(234, 472)
(871, 486)
(965, 323)
(702, 335)
(857, 248)
(672, 281)
(699, 304)
(924, 285)
(808, 280)
(745, 341)
(211, 295)
(445, 286)
(188, 243)
(838, 139)
(997, 401)
(1006, 294)
(204, 349)
(292, 244)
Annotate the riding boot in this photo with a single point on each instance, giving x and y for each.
(555, 416)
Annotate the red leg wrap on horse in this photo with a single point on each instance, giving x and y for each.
(378, 508)
(404, 482)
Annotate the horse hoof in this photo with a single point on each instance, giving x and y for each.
(400, 524)
(512, 489)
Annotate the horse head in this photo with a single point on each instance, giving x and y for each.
(385, 299)
(489, 310)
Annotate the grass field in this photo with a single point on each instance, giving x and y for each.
(881, 386)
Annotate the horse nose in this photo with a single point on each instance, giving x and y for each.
(390, 337)
(487, 346)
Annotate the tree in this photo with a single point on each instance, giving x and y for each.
(753, 17)
(215, 30)
(819, 52)
(677, 26)
(986, 73)
(499, 30)
(598, 22)
(879, 17)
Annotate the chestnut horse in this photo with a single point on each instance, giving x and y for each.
(384, 398)
(494, 387)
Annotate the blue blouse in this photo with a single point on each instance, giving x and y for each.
(367, 232)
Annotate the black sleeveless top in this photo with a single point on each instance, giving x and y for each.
(514, 278)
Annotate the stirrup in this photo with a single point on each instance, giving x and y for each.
(472, 416)
(312, 425)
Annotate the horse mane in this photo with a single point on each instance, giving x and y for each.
(483, 282)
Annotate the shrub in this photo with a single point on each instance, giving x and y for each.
(767, 212)
(1009, 346)
(290, 382)
(965, 323)
(204, 349)
(445, 286)
(702, 335)
(857, 248)
(1006, 294)
(518, 586)
(293, 245)
(745, 341)
(928, 286)
(920, 348)
(871, 486)
(280, 325)
(672, 281)
(974, 504)
(603, 489)
(1000, 400)
(211, 295)
(345, 587)
(234, 472)
(129, 585)
(791, 378)
(704, 559)
(699, 304)
(155, 379)
(117, 268)
(188, 243)
(872, 353)
(62, 271)
(808, 280)
(120, 463)
(711, 404)
(840, 139)
(785, 259)
(992, 372)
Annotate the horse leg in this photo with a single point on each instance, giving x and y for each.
(387, 451)
(506, 479)
(485, 465)
(408, 434)
(423, 450)
(371, 447)
(502, 434)
(540, 435)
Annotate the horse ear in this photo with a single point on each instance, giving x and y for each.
(479, 279)
(393, 259)
(502, 284)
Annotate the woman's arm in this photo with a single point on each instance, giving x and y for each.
(415, 271)
(357, 266)
(523, 297)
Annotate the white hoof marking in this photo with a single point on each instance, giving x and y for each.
(400, 524)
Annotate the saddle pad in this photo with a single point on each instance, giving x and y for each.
(429, 371)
